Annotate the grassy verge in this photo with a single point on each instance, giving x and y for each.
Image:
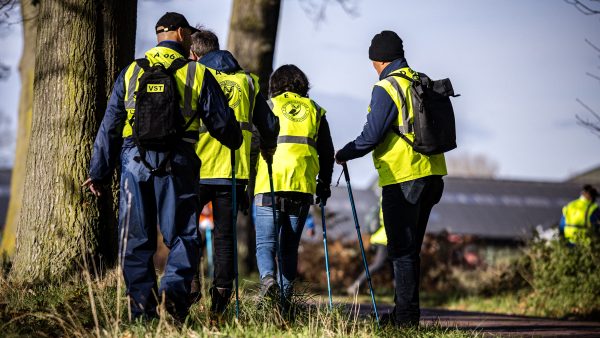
(86, 307)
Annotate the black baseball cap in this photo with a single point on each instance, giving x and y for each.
(171, 21)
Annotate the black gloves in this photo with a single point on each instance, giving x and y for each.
(323, 192)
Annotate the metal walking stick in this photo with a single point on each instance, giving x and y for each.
(326, 253)
(234, 225)
(360, 242)
(277, 246)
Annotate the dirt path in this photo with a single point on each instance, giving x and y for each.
(491, 324)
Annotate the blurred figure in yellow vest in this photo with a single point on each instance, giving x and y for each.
(580, 217)
(379, 242)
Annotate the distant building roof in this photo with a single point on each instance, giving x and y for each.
(487, 208)
(591, 176)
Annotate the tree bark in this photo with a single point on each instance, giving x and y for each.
(81, 46)
(29, 12)
(252, 35)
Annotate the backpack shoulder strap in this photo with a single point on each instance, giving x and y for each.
(402, 75)
(143, 63)
(177, 64)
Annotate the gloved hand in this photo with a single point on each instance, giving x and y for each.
(267, 154)
(323, 192)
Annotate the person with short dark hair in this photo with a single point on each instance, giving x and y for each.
(580, 218)
(243, 94)
(411, 182)
(304, 151)
(166, 195)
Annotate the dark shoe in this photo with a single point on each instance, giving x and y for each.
(268, 288)
(196, 292)
(219, 299)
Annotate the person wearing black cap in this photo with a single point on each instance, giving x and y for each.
(160, 186)
(581, 217)
(411, 182)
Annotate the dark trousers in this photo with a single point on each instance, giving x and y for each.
(220, 196)
(171, 200)
(406, 208)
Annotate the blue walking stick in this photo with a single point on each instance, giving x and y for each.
(277, 246)
(234, 225)
(360, 242)
(326, 253)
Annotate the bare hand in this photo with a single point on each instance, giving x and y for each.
(311, 232)
(94, 188)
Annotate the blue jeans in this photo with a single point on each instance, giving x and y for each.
(171, 201)
(291, 226)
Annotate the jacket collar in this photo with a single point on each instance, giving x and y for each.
(394, 65)
(174, 45)
(220, 60)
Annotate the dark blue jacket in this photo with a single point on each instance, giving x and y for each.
(212, 108)
(382, 116)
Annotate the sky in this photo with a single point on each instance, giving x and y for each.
(519, 66)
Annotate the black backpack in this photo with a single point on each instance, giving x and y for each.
(433, 124)
(158, 122)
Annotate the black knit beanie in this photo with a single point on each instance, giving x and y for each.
(386, 46)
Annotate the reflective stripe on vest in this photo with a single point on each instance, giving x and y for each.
(189, 80)
(394, 158)
(577, 220)
(295, 162)
(240, 90)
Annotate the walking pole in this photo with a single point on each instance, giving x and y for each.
(234, 224)
(326, 253)
(360, 242)
(277, 246)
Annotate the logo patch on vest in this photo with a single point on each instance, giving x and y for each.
(155, 88)
(295, 111)
(232, 91)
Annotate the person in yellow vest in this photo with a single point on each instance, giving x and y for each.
(581, 218)
(378, 241)
(242, 91)
(411, 182)
(159, 185)
(304, 151)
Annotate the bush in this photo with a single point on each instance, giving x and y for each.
(565, 279)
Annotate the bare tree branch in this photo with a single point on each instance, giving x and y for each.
(591, 125)
(583, 8)
(316, 10)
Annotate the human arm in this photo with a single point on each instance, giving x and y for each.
(266, 122)
(109, 139)
(325, 151)
(215, 113)
(383, 113)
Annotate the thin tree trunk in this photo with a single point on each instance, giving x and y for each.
(81, 45)
(252, 36)
(29, 12)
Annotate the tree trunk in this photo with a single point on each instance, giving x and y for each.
(29, 12)
(252, 36)
(81, 46)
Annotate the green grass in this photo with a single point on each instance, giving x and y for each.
(86, 307)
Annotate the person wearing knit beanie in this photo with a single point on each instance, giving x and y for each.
(411, 183)
(386, 47)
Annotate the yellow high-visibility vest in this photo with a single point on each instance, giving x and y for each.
(240, 89)
(394, 159)
(295, 162)
(577, 220)
(189, 84)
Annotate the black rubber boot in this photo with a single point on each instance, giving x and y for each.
(219, 299)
